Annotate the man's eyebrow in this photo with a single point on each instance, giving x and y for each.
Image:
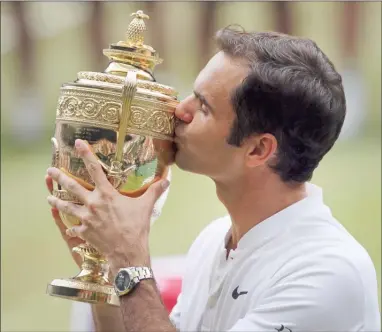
(203, 99)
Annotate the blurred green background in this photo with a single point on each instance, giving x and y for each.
(57, 40)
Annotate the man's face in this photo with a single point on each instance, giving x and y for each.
(202, 142)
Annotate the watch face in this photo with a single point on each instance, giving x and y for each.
(122, 281)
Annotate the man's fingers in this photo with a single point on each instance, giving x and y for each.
(68, 183)
(49, 183)
(156, 190)
(65, 207)
(76, 231)
(71, 241)
(57, 219)
(93, 166)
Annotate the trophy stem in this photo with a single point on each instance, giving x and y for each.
(94, 267)
(91, 285)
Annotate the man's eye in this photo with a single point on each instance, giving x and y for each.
(204, 109)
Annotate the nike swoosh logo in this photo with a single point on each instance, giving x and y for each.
(236, 294)
(282, 328)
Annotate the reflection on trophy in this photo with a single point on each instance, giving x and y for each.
(128, 121)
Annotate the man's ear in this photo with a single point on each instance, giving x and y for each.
(260, 148)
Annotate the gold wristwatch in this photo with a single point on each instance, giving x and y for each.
(128, 278)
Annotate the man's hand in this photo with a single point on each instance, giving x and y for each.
(116, 225)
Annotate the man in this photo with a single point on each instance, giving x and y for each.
(265, 110)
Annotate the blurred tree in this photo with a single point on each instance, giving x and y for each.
(96, 31)
(283, 17)
(26, 45)
(26, 116)
(206, 31)
(351, 73)
(349, 31)
(155, 34)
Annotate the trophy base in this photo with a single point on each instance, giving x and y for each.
(82, 291)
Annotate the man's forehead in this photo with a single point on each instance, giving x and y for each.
(222, 71)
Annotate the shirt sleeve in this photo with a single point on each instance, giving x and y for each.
(175, 313)
(81, 318)
(316, 297)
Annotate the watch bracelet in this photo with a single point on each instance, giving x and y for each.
(142, 273)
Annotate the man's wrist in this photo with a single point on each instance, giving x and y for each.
(129, 256)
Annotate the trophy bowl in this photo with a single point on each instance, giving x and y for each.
(128, 120)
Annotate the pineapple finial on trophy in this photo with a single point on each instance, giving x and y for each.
(134, 34)
(132, 51)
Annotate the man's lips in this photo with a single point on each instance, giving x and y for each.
(178, 134)
(179, 129)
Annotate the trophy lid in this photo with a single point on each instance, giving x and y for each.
(132, 51)
(132, 54)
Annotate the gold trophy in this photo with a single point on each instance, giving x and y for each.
(128, 120)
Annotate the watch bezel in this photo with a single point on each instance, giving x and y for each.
(131, 284)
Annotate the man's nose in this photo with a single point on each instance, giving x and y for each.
(182, 114)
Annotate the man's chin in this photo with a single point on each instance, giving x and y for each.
(177, 160)
(180, 162)
(184, 165)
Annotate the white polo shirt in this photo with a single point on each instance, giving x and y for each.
(298, 270)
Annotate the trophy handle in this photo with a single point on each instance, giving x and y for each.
(115, 173)
(128, 92)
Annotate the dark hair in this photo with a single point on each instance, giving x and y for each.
(292, 92)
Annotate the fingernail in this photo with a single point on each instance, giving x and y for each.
(50, 199)
(78, 143)
(165, 184)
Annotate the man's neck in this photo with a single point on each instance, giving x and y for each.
(250, 201)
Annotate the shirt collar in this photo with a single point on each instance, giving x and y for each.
(270, 227)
